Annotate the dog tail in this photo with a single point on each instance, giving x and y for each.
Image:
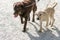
(54, 4)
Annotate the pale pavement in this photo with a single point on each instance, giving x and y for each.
(11, 28)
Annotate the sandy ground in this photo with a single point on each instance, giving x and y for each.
(11, 28)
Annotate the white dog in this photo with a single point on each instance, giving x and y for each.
(47, 15)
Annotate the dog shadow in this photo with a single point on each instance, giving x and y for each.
(46, 35)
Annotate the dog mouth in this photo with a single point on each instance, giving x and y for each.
(15, 15)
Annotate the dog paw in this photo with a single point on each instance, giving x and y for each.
(23, 30)
(40, 31)
(53, 28)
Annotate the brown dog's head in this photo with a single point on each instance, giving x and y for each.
(17, 10)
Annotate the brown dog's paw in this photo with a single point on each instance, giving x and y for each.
(23, 30)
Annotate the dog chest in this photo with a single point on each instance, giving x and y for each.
(43, 17)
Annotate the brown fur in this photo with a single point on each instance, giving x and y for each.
(21, 9)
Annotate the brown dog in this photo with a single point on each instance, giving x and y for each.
(23, 9)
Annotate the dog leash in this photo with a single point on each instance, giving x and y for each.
(31, 4)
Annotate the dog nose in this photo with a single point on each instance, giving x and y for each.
(37, 18)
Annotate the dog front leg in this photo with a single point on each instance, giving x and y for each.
(21, 20)
(34, 10)
(41, 26)
(24, 29)
(47, 22)
(50, 21)
(33, 19)
(53, 20)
